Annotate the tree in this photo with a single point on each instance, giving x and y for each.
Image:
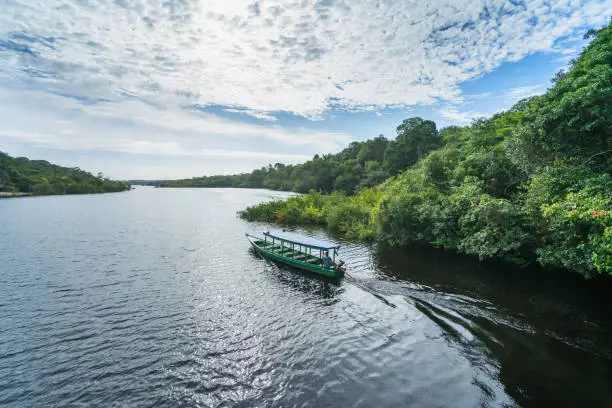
(415, 138)
(373, 150)
(41, 177)
(574, 118)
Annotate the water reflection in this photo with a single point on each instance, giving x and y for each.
(546, 332)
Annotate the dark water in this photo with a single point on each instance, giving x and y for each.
(152, 298)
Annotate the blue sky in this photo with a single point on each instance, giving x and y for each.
(182, 88)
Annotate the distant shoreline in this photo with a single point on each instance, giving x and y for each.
(18, 195)
(13, 195)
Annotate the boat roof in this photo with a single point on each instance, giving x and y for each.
(301, 240)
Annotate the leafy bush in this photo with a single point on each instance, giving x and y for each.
(579, 229)
(488, 227)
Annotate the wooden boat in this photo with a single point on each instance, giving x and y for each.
(297, 251)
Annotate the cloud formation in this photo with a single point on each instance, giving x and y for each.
(522, 92)
(253, 113)
(298, 56)
(455, 116)
(134, 127)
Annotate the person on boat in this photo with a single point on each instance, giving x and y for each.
(327, 261)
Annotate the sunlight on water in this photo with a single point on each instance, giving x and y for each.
(153, 298)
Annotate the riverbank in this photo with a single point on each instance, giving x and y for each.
(4, 195)
(13, 195)
(569, 233)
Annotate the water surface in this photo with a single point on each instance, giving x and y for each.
(152, 298)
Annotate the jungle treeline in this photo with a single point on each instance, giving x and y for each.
(20, 175)
(528, 185)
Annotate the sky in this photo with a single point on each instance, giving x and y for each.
(162, 89)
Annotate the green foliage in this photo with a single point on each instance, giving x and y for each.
(529, 184)
(488, 227)
(373, 174)
(304, 209)
(357, 167)
(372, 150)
(406, 209)
(415, 138)
(574, 118)
(39, 177)
(353, 215)
(579, 228)
(360, 166)
(266, 212)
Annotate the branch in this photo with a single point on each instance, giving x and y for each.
(596, 154)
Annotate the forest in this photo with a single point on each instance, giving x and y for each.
(38, 177)
(529, 185)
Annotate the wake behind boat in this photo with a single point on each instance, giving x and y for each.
(300, 252)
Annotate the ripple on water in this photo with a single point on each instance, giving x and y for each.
(152, 298)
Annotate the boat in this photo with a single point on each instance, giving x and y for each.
(298, 251)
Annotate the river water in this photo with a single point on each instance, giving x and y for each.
(153, 298)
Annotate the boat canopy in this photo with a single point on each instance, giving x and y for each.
(301, 240)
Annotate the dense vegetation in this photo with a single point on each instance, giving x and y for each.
(531, 184)
(361, 165)
(39, 177)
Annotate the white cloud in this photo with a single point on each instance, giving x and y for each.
(522, 92)
(135, 128)
(479, 96)
(130, 71)
(460, 118)
(271, 55)
(255, 114)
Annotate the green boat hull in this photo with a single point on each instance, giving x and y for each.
(265, 251)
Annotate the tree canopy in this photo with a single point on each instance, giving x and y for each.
(39, 177)
(361, 165)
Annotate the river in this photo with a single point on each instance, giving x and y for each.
(152, 297)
